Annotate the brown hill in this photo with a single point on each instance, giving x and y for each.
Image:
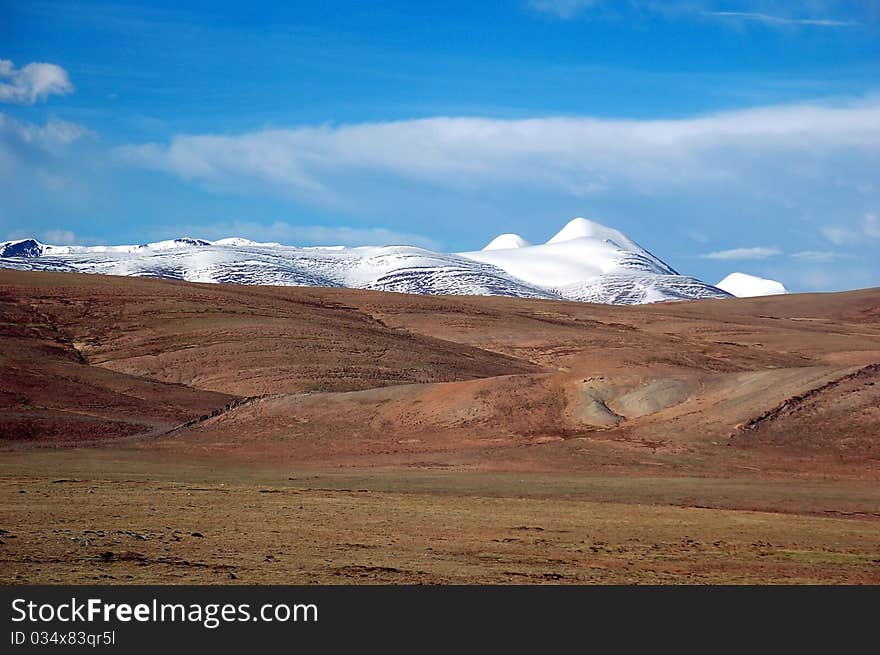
(842, 415)
(367, 377)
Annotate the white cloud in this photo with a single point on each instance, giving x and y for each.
(40, 163)
(841, 235)
(36, 81)
(757, 252)
(306, 235)
(564, 9)
(52, 134)
(871, 225)
(59, 237)
(55, 237)
(818, 256)
(571, 9)
(697, 236)
(576, 155)
(779, 20)
(55, 132)
(32, 153)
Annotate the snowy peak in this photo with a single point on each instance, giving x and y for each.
(743, 285)
(583, 230)
(582, 250)
(506, 242)
(578, 228)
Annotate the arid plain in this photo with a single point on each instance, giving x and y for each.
(159, 431)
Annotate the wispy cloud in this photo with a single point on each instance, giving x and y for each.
(53, 236)
(840, 235)
(682, 9)
(33, 82)
(60, 237)
(29, 151)
(51, 134)
(771, 19)
(757, 252)
(578, 156)
(818, 256)
(564, 9)
(39, 161)
(871, 225)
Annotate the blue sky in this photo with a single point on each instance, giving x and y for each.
(722, 136)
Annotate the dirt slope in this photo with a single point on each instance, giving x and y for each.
(841, 416)
(50, 394)
(244, 341)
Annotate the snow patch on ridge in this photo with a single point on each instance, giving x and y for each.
(506, 242)
(580, 227)
(743, 285)
(240, 241)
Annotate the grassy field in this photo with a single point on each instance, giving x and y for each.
(100, 516)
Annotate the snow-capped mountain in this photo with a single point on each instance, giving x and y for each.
(593, 263)
(584, 261)
(506, 242)
(743, 285)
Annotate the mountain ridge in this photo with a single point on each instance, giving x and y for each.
(584, 261)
